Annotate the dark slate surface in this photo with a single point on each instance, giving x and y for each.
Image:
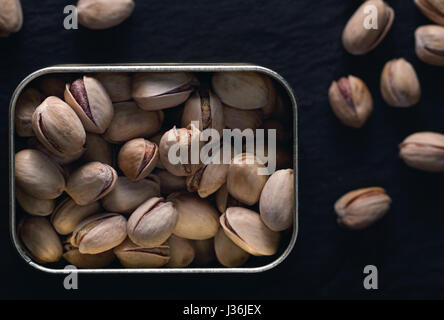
(300, 39)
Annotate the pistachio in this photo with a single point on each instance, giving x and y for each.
(103, 14)
(432, 9)
(38, 175)
(204, 251)
(118, 85)
(98, 149)
(361, 208)
(399, 84)
(87, 261)
(152, 223)
(181, 252)
(170, 183)
(91, 182)
(67, 215)
(26, 104)
(227, 252)
(137, 158)
(131, 255)
(351, 101)
(11, 17)
(245, 228)
(269, 108)
(224, 200)
(40, 239)
(156, 139)
(430, 44)
(277, 202)
(53, 86)
(99, 233)
(62, 159)
(242, 119)
(34, 206)
(423, 151)
(127, 195)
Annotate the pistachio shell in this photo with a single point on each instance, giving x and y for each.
(98, 149)
(224, 200)
(11, 17)
(117, 84)
(170, 183)
(34, 143)
(103, 14)
(243, 119)
(134, 256)
(137, 158)
(430, 44)
(204, 251)
(181, 252)
(423, 151)
(227, 252)
(26, 104)
(432, 9)
(156, 139)
(87, 261)
(34, 206)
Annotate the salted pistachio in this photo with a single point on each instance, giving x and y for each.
(99, 233)
(89, 99)
(361, 208)
(67, 215)
(26, 104)
(227, 252)
(53, 86)
(117, 84)
(131, 255)
(34, 206)
(269, 108)
(103, 14)
(361, 35)
(137, 158)
(11, 17)
(40, 240)
(162, 90)
(197, 218)
(246, 229)
(98, 149)
(351, 101)
(204, 251)
(224, 200)
(38, 175)
(152, 223)
(399, 84)
(91, 182)
(430, 44)
(170, 183)
(63, 159)
(131, 122)
(58, 127)
(423, 151)
(243, 119)
(181, 252)
(432, 9)
(87, 261)
(127, 195)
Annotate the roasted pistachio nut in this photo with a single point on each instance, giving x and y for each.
(423, 151)
(152, 223)
(243, 119)
(361, 208)
(197, 218)
(26, 104)
(98, 149)
(91, 102)
(99, 233)
(67, 215)
(138, 158)
(204, 251)
(58, 127)
(242, 90)
(103, 14)
(131, 255)
(181, 252)
(224, 200)
(162, 90)
(53, 86)
(432, 9)
(245, 228)
(34, 206)
(430, 44)
(276, 204)
(38, 175)
(227, 252)
(91, 182)
(131, 122)
(40, 239)
(11, 17)
(117, 84)
(269, 108)
(351, 101)
(170, 183)
(362, 34)
(399, 84)
(87, 261)
(127, 195)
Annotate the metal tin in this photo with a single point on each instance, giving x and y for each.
(131, 68)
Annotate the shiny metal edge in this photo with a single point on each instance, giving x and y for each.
(151, 67)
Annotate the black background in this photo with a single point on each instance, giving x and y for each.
(300, 39)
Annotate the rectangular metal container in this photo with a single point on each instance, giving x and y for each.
(132, 68)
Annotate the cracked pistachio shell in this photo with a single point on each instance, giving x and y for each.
(99, 233)
(58, 128)
(34, 206)
(127, 195)
(118, 85)
(131, 255)
(361, 208)
(359, 38)
(87, 261)
(399, 84)
(204, 251)
(224, 200)
(227, 252)
(276, 204)
(197, 218)
(40, 239)
(131, 122)
(11, 17)
(430, 44)
(242, 119)
(269, 108)
(156, 139)
(181, 252)
(89, 99)
(162, 90)
(351, 101)
(91, 182)
(137, 158)
(103, 14)
(38, 175)
(152, 223)
(423, 151)
(170, 183)
(245, 228)
(53, 86)
(242, 90)
(67, 215)
(28, 101)
(98, 149)
(432, 9)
